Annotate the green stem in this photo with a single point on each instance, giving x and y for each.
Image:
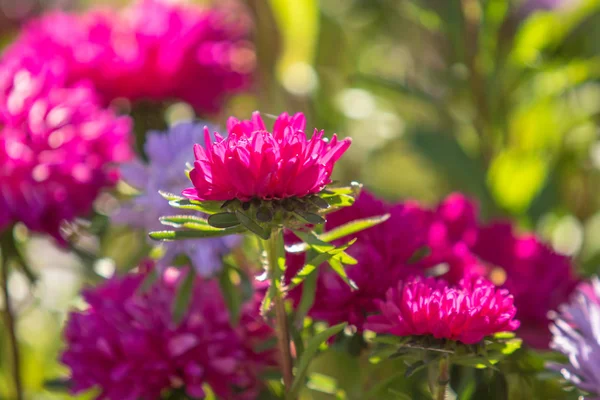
(443, 378)
(271, 246)
(9, 320)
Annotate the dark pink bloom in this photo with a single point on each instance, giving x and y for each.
(467, 313)
(454, 221)
(539, 278)
(252, 162)
(58, 146)
(154, 49)
(128, 346)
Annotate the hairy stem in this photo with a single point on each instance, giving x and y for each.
(281, 324)
(9, 319)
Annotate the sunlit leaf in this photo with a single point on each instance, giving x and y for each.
(352, 227)
(178, 221)
(206, 207)
(203, 232)
(338, 267)
(170, 196)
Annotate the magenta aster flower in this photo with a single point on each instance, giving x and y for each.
(154, 49)
(467, 313)
(534, 274)
(576, 334)
(58, 147)
(127, 345)
(252, 162)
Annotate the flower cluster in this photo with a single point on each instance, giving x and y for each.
(154, 49)
(458, 248)
(467, 313)
(576, 333)
(168, 155)
(128, 346)
(59, 142)
(252, 162)
(58, 145)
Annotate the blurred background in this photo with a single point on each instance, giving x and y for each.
(495, 98)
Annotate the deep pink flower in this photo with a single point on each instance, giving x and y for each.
(154, 49)
(252, 162)
(58, 147)
(128, 346)
(454, 221)
(467, 313)
(539, 278)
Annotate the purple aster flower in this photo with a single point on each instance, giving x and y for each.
(576, 333)
(168, 153)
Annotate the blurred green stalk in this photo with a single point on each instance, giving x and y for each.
(9, 319)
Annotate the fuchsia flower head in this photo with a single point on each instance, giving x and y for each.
(58, 146)
(468, 312)
(252, 162)
(154, 49)
(127, 344)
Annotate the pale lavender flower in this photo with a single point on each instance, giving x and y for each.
(168, 154)
(576, 333)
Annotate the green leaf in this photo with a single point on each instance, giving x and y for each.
(310, 352)
(206, 207)
(309, 289)
(336, 253)
(183, 297)
(308, 269)
(311, 218)
(178, 221)
(419, 255)
(252, 225)
(148, 281)
(58, 385)
(353, 227)
(170, 196)
(314, 242)
(223, 220)
(195, 234)
(231, 294)
(338, 267)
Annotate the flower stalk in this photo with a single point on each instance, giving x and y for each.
(9, 318)
(443, 378)
(281, 323)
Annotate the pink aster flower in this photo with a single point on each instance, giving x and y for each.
(539, 278)
(252, 162)
(127, 345)
(467, 313)
(58, 147)
(154, 49)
